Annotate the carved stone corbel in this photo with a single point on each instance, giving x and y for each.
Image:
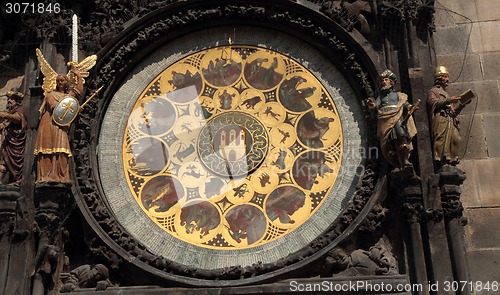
(450, 180)
(407, 191)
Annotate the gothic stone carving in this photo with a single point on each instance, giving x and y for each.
(85, 276)
(349, 14)
(374, 219)
(377, 260)
(450, 180)
(407, 9)
(52, 206)
(8, 201)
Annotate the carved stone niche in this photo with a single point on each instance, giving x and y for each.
(175, 196)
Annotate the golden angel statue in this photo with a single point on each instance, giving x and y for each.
(59, 107)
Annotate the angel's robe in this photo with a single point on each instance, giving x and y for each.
(52, 143)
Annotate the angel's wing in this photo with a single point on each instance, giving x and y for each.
(84, 67)
(50, 76)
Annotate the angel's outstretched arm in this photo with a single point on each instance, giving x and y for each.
(83, 68)
(79, 80)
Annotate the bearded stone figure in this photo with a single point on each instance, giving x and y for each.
(395, 128)
(15, 121)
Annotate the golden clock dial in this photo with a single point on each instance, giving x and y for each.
(232, 147)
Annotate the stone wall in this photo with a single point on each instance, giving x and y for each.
(468, 43)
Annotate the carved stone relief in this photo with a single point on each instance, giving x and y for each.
(377, 260)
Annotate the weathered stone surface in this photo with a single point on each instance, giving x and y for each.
(487, 95)
(476, 39)
(479, 230)
(454, 16)
(484, 267)
(462, 70)
(483, 175)
(473, 138)
(470, 191)
(491, 124)
(490, 36)
(445, 11)
(488, 171)
(491, 64)
(487, 10)
(453, 38)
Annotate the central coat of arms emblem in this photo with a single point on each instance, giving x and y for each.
(232, 144)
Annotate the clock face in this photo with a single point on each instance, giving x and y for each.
(210, 155)
(232, 147)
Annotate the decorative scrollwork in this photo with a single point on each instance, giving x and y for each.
(406, 9)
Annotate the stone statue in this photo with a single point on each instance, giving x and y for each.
(395, 128)
(444, 122)
(52, 147)
(14, 138)
(378, 260)
(85, 276)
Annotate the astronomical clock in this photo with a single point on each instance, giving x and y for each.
(227, 144)
(230, 154)
(234, 152)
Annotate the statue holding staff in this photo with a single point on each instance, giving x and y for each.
(395, 128)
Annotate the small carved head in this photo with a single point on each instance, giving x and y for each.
(62, 83)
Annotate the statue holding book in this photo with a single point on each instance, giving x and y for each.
(444, 120)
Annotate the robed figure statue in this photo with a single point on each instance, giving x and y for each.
(15, 121)
(444, 120)
(395, 127)
(61, 94)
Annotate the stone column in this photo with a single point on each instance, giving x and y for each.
(53, 204)
(8, 204)
(450, 180)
